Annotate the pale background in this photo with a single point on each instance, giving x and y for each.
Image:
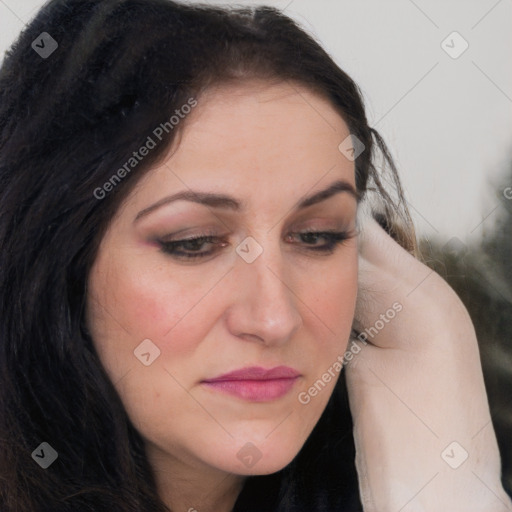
(447, 120)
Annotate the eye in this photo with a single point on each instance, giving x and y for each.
(206, 245)
(331, 239)
(194, 247)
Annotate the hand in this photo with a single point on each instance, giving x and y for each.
(422, 426)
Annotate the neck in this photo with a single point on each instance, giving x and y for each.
(194, 488)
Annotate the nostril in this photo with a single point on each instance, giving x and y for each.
(251, 337)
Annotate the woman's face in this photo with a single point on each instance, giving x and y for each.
(170, 318)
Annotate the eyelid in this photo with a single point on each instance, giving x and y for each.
(179, 237)
(334, 239)
(337, 222)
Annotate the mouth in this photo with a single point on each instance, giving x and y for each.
(256, 384)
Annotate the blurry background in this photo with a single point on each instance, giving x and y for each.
(437, 80)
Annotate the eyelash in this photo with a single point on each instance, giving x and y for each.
(335, 238)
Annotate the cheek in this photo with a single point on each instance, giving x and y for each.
(335, 299)
(130, 303)
(134, 300)
(331, 296)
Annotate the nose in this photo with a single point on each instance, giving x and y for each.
(263, 305)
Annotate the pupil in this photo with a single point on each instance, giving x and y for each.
(310, 237)
(195, 244)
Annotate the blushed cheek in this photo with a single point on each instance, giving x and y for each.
(334, 297)
(174, 315)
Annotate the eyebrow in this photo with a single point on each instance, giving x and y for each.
(227, 202)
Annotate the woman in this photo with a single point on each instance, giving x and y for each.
(188, 278)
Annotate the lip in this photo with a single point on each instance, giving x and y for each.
(256, 384)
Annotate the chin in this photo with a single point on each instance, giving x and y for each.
(263, 458)
(265, 466)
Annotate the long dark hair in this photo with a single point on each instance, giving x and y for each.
(86, 83)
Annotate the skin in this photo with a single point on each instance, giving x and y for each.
(268, 146)
(422, 426)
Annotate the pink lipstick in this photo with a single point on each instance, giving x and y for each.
(256, 384)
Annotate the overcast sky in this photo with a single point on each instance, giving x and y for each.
(444, 108)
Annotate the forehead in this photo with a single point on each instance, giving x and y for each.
(262, 127)
(244, 105)
(270, 141)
